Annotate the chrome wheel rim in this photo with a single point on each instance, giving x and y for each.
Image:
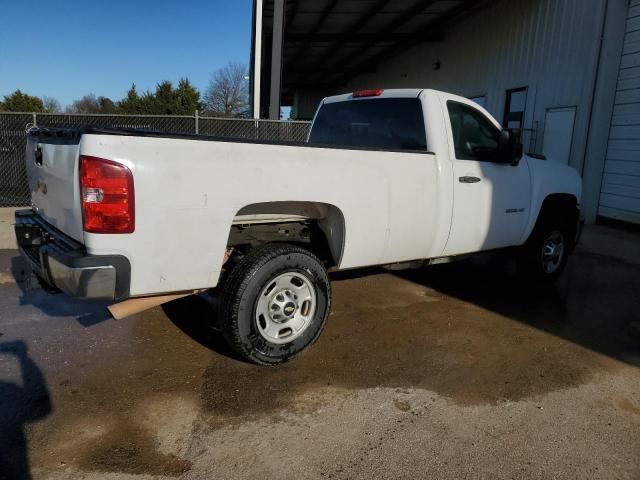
(285, 307)
(552, 252)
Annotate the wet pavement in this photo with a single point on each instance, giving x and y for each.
(453, 371)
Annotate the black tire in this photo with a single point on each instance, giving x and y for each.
(533, 260)
(253, 274)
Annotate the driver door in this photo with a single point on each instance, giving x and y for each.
(490, 199)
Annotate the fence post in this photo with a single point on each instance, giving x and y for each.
(197, 122)
(35, 124)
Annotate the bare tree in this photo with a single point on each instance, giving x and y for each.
(92, 104)
(51, 105)
(87, 104)
(228, 91)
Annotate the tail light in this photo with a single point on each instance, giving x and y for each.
(107, 196)
(367, 93)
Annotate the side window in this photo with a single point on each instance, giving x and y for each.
(474, 136)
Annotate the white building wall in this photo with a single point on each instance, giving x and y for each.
(549, 46)
(620, 193)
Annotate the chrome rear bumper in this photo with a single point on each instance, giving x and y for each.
(63, 263)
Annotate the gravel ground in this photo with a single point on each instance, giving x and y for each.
(454, 371)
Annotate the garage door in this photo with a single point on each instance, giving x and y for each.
(620, 193)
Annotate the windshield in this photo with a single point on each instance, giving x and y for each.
(381, 123)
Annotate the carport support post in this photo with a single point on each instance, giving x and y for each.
(276, 59)
(256, 58)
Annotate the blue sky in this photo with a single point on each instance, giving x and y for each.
(66, 49)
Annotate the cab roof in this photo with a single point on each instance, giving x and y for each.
(373, 93)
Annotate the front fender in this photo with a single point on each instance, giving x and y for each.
(549, 178)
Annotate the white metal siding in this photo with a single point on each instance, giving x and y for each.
(549, 46)
(620, 191)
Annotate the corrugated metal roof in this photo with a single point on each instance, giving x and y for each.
(326, 42)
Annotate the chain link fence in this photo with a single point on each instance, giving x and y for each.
(14, 190)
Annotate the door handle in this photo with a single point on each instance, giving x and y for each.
(468, 179)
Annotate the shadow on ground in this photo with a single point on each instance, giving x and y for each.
(20, 404)
(87, 312)
(595, 304)
(196, 316)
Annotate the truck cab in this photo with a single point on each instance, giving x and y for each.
(495, 191)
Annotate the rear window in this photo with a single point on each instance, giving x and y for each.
(381, 123)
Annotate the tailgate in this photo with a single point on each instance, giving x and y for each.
(52, 167)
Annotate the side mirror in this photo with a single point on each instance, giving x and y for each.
(509, 146)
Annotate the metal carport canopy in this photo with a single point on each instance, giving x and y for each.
(321, 44)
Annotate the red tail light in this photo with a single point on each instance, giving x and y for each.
(367, 93)
(107, 196)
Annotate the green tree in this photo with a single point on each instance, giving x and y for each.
(165, 100)
(21, 102)
(107, 105)
(188, 97)
(132, 103)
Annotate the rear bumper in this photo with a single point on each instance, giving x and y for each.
(64, 263)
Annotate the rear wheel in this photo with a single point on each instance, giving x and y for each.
(546, 252)
(275, 303)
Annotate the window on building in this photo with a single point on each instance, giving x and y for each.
(514, 108)
(474, 136)
(480, 100)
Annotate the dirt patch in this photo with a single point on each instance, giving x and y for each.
(131, 449)
(6, 278)
(629, 406)
(132, 401)
(402, 405)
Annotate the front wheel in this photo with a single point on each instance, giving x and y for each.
(275, 303)
(546, 252)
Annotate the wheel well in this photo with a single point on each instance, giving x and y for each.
(563, 205)
(559, 203)
(317, 226)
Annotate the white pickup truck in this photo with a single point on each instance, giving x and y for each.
(386, 177)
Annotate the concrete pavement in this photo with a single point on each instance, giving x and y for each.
(454, 371)
(7, 238)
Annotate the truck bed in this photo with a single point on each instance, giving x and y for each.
(191, 189)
